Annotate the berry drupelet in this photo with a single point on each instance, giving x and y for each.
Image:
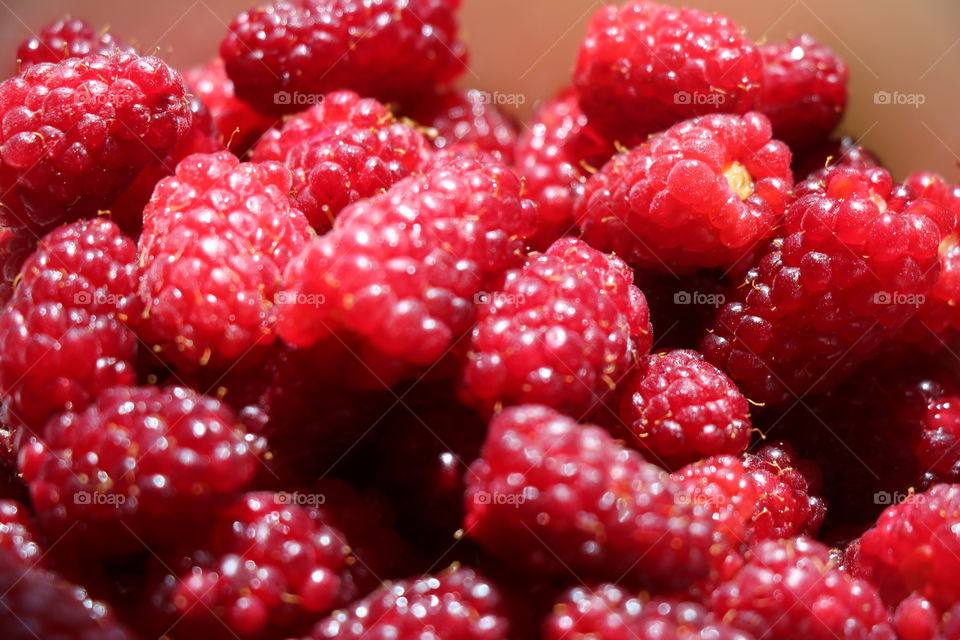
(68, 38)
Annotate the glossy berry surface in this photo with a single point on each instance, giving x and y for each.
(67, 38)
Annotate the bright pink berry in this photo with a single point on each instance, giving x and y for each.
(701, 194)
(645, 66)
(217, 236)
(68, 38)
(562, 331)
(346, 149)
(286, 55)
(555, 496)
(803, 91)
(76, 133)
(400, 271)
(832, 290)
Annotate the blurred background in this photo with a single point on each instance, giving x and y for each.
(898, 51)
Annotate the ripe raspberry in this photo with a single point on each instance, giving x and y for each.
(346, 149)
(844, 152)
(701, 194)
(562, 331)
(803, 91)
(723, 484)
(830, 292)
(645, 66)
(554, 156)
(268, 568)
(457, 604)
(63, 334)
(77, 133)
(17, 535)
(68, 38)
(40, 604)
(680, 409)
(466, 119)
(787, 502)
(15, 248)
(236, 122)
(609, 612)
(216, 238)
(277, 54)
(789, 590)
(525, 504)
(400, 270)
(140, 459)
(913, 548)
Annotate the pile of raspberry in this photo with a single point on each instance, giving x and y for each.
(314, 342)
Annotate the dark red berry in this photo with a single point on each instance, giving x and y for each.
(67, 38)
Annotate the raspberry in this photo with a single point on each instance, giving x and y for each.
(236, 122)
(40, 604)
(803, 91)
(830, 292)
(608, 611)
(680, 408)
(554, 155)
(617, 517)
(645, 66)
(457, 604)
(216, 238)
(268, 568)
(844, 152)
(15, 248)
(400, 270)
(913, 547)
(467, 119)
(701, 194)
(723, 484)
(562, 331)
(17, 536)
(76, 133)
(346, 149)
(789, 590)
(278, 54)
(786, 486)
(67, 38)
(138, 462)
(62, 334)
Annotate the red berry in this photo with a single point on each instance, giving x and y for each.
(17, 534)
(216, 238)
(646, 66)
(346, 149)
(726, 487)
(562, 331)
(916, 618)
(555, 496)
(67, 38)
(457, 604)
(701, 194)
(788, 590)
(140, 462)
(286, 55)
(787, 502)
(803, 91)
(832, 290)
(679, 408)
(400, 271)
(76, 133)
(63, 333)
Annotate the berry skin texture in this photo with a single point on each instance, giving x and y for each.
(17, 535)
(400, 271)
(612, 613)
(15, 248)
(282, 53)
(217, 236)
(236, 122)
(76, 133)
(803, 91)
(832, 290)
(678, 408)
(701, 194)
(346, 149)
(67, 38)
(525, 504)
(787, 502)
(788, 590)
(456, 604)
(562, 331)
(63, 334)
(645, 66)
(268, 569)
(141, 460)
